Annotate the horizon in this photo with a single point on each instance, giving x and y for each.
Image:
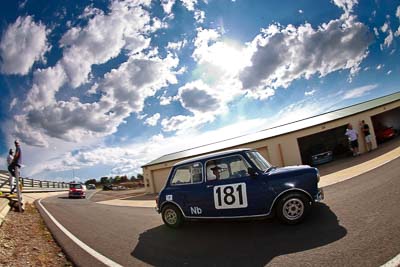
(102, 88)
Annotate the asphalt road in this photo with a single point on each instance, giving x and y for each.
(357, 225)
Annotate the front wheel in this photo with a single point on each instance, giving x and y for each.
(172, 216)
(292, 208)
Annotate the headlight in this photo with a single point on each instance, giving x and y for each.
(318, 176)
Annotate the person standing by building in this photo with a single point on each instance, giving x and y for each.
(367, 135)
(11, 178)
(352, 135)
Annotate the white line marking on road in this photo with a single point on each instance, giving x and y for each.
(82, 245)
(88, 198)
(134, 196)
(395, 262)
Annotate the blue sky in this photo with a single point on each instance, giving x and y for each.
(103, 87)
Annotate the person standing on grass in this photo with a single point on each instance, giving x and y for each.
(352, 135)
(11, 178)
(367, 135)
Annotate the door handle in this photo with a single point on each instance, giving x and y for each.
(209, 186)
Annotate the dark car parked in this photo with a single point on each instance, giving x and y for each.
(91, 186)
(107, 187)
(237, 184)
(320, 154)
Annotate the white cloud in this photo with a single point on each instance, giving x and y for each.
(22, 4)
(23, 44)
(310, 93)
(167, 5)
(376, 32)
(379, 66)
(46, 83)
(129, 158)
(198, 97)
(389, 38)
(389, 72)
(359, 91)
(189, 4)
(103, 38)
(199, 16)
(177, 45)
(122, 90)
(13, 103)
(137, 79)
(164, 100)
(397, 33)
(337, 45)
(385, 27)
(300, 11)
(227, 68)
(346, 5)
(152, 121)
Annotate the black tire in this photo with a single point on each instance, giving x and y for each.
(172, 216)
(292, 208)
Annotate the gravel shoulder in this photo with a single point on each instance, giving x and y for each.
(26, 241)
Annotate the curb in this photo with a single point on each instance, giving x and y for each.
(4, 209)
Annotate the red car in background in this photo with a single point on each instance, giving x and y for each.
(77, 190)
(384, 134)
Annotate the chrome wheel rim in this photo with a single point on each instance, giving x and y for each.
(170, 216)
(293, 209)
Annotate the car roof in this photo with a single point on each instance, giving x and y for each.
(212, 155)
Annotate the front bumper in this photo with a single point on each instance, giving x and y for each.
(320, 195)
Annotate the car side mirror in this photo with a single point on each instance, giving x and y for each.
(252, 172)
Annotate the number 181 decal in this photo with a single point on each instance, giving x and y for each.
(231, 196)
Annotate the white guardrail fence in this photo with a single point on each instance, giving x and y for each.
(31, 185)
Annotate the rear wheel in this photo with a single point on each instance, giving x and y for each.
(292, 208)
(172, 216)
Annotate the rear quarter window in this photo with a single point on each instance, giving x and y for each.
(187, 174)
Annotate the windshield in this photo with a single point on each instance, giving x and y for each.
(76, 186)
(258, 160)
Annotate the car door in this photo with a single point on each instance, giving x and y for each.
(234, 193)
(186, 189)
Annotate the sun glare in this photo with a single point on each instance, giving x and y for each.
(228, 58)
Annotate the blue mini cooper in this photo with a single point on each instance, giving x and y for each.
(237, 183)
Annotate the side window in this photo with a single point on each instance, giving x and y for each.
(226, 168)
(187, 174)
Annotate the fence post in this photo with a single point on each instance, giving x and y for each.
(40, 184)
(32, 183)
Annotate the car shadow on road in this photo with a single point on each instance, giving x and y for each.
(241, 243)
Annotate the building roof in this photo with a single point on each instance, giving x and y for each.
(279, 130)
(215, 154)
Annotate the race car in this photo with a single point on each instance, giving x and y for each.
(237, 183)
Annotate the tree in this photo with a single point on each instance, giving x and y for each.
(104, 180)
(133, 178)
(139, 176)
(124, 179)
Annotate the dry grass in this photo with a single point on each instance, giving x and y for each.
(26, 241)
